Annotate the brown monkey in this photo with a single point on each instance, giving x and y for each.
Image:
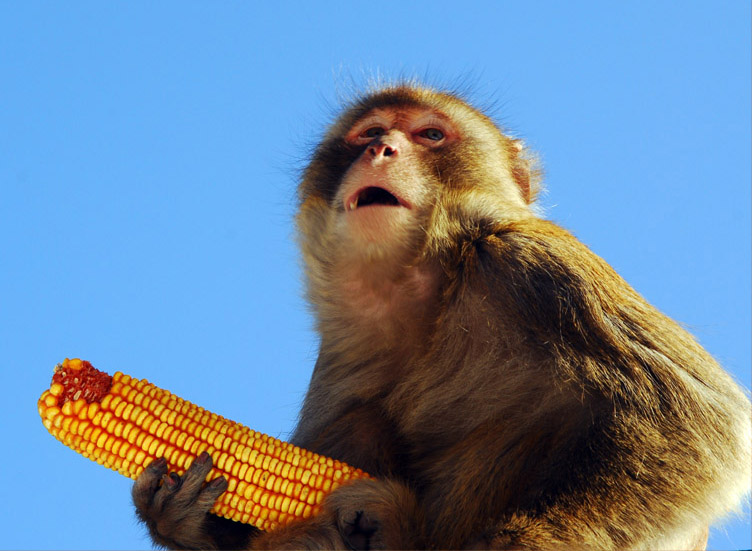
(503, 384)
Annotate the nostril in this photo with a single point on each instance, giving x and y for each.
(381, 150)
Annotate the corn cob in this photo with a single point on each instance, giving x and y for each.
(125, 423)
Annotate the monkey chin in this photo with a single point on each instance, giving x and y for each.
(378, 233)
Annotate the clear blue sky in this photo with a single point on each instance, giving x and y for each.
(148, 160)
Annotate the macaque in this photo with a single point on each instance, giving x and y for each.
(503, 385)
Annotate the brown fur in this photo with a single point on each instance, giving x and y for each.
(503, 384)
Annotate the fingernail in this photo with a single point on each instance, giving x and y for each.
(158, 463)
(218, 482)
(171, 480)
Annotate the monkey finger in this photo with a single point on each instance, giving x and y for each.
(147, 484)
(172, 482)
(194, 477)
(210, 493)
(357, 528)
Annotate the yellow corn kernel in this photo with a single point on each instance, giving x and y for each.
(125, 423)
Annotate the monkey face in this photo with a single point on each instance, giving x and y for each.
(388, 190)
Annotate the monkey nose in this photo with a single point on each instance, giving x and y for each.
(381, 149)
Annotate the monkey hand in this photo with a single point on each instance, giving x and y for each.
(176, 509)
(364, 514)
(375, 514)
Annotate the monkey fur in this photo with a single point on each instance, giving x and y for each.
(504, 386)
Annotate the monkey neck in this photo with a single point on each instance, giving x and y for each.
(371, 307)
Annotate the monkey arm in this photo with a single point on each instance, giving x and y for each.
(362, 432)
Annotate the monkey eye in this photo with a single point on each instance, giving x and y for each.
(373, 132)
(433, 134)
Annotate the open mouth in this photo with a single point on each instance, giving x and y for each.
(372, 195)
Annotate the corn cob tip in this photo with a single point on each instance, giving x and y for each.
(76, 379)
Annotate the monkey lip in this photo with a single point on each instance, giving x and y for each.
(369, 196)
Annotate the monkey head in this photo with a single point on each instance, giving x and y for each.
(393, 170)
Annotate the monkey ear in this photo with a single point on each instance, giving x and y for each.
(525, 170)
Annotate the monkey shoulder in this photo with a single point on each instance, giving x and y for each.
(532, 245)
(569, 304)
(540, 274)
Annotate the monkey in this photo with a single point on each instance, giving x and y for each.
(503, 385)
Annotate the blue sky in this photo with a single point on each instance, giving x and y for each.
(148, 161)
